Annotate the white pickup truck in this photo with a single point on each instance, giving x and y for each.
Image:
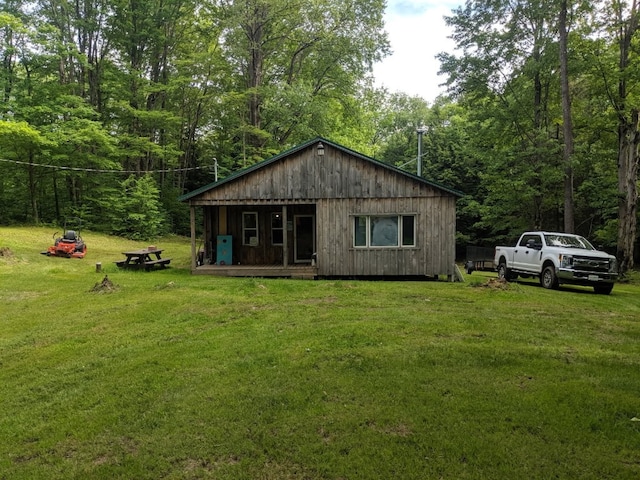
(557, 258)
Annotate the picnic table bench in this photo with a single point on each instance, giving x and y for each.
(138, 259)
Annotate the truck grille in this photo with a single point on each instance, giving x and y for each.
(590, 264)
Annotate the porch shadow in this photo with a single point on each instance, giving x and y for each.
(304, 271)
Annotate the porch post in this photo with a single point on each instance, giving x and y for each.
(285, 234)
(193, 237)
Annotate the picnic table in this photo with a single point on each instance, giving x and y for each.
(138, 259)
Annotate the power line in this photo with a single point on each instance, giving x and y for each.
(99, 170)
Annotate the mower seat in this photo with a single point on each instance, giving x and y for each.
(69, 236)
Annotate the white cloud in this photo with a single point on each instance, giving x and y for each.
(417, 32)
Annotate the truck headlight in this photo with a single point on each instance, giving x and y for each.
(613, 265)
(566, 261)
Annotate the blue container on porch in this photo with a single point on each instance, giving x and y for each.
(224, 250)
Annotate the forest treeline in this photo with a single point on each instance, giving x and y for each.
(111, 109)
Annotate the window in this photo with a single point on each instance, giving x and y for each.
(360, 232)
(277, 230)
(250, 228)
(408, 230)
(384, 231)
(569, 241)
(534, 239)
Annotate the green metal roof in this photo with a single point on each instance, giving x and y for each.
(286, 153)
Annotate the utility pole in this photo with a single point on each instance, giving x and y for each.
(421, 129)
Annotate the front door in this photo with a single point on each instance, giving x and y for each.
(304, 238)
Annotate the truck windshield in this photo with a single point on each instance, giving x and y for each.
(568, 241)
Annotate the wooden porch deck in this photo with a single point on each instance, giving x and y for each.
(304, 271)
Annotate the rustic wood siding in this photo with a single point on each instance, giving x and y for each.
(309, 177)
(434, 253)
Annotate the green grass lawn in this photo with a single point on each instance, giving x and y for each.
(176, 376)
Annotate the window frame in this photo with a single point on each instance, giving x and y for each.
(277, 229)
(359, 243)
(537, 239)
(414, 230)
(246, 229)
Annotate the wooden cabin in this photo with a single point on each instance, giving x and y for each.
(321, 210)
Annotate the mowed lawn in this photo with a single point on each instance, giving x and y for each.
(174, 376)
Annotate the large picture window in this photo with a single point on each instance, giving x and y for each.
(250, 228)
(384, 231)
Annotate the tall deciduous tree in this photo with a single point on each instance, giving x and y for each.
(22, 143)
(82, 44)
(11, 32)
(615, 63)
(505, 73)
(145, 35)
(627, 21)
(567, 123)
(293, 60)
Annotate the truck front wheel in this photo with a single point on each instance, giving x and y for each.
(548, 278)
(504, 273)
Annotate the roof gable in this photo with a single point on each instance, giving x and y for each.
(315, 173)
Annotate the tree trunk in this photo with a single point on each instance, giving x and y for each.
(538, 160)
(629, 140)
(567, 125)
(33, 191)
(8, 65)
(56, 197)
(255, 31)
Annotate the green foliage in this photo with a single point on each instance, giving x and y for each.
(19, 140)
(177, 213)
(136, 211)
(295, 68)
(170, 88)
(504, 77)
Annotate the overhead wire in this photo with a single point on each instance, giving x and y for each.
(102, 170)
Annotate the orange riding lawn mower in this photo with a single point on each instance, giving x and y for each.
(69, 245)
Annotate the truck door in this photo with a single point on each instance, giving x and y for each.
(525, 255)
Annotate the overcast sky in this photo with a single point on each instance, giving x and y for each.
(417, 33)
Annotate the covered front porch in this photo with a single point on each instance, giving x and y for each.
(255, 240)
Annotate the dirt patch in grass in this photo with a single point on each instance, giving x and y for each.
(9, 257)
(494, 283)
(105, 286)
